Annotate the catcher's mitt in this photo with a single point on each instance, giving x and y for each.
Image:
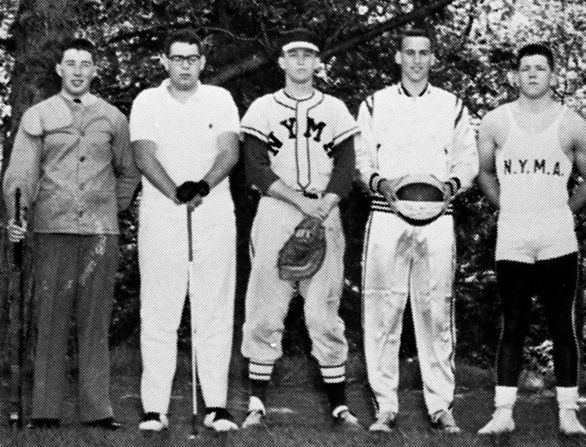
(303, 253)
(420, 199)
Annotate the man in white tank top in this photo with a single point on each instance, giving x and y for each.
(528, 149)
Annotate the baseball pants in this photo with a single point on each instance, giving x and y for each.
(268, 297)
(73, 273)
(401, 261)
(163, 260)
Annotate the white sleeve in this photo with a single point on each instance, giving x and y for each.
(464, 163)
(227, 113)
(142, 122)
(366, 148)
(255, 121)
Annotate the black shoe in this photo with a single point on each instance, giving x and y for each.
(44, 423)
(106, 423)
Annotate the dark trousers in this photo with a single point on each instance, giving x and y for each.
(555, 282)
(73, 273)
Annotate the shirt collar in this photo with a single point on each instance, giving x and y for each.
(86, 99)
(404, 91)
(193, 97)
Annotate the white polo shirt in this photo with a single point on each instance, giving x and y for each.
(186, 137)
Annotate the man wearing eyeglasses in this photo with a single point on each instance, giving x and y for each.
(184, 136)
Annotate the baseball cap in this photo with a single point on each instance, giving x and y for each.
(299, 38)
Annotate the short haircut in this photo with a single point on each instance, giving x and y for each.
(534, 49)
(415, 32)
(79, 44)
(184, 36)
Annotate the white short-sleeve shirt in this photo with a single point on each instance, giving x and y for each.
(186, 137)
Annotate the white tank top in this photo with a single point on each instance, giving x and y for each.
(533, 170)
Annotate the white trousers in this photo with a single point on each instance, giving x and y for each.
(163, 260)
(268, 297)
(401, 261)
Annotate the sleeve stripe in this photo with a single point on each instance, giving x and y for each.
(255, 133)
(460, 112)
(348, 133)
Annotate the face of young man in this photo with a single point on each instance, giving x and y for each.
(534, 76)
(416, 58)
(184, 64)
(77, 70)
(299, 65)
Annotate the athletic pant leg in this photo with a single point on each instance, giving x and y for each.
(432, 307)
(55, 287)
(322, 295)
(267, 296)
(212, 307)
(162, 254)
(558, 287)
(97, 277)
(515, 286)
(385, 274)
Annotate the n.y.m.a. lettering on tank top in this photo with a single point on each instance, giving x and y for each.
(532, 166)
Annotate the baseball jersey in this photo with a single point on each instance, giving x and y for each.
(404, 135)
(300, 135)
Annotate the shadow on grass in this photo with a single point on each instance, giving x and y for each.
(298, 412)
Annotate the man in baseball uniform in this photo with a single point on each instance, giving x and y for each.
(299, 152)
(185, 140)
(528, 149)
(72, 162)
(411, 128)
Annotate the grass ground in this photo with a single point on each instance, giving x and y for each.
(297, 414)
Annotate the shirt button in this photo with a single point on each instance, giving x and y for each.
(81, 133)
(81, 186)
(80, 214)
(82, 158)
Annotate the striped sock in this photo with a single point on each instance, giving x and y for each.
(335, 384)
(259, 374)
(333, 374)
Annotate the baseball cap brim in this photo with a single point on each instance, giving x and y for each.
(300, 44)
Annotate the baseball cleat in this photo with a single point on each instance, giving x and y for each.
(569, 423)
(256, 413)
(444, 421)
(219, 419)
(154, 422)
(385, 422)
(502, 422)
(344, 418)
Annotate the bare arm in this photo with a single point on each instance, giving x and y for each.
(228, 153)
(487, 177)
(149, 166)
(578, 126)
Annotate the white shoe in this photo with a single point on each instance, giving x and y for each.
(569, 423)
(502, 422)
(344, 418)
(219, 420)
(385, 422)
(154, 422)
(256, 413)
(444, 421)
